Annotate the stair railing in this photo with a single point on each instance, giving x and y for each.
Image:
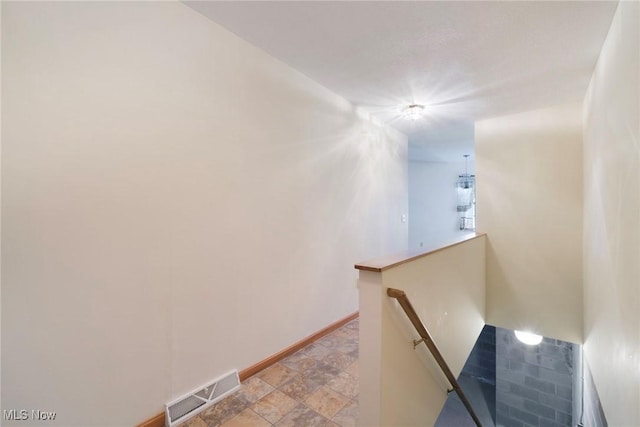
(426, 338)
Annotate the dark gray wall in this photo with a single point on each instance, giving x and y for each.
(593, 413)
(534, 384)
(481, 363)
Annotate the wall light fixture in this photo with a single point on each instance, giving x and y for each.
(528, 337)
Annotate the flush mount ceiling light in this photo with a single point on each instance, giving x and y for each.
(413, 112)
(528, 337)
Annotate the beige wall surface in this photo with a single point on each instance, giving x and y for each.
(447, 291)
(405, 387)
(529, 174)
(612, 220)
(176, 204)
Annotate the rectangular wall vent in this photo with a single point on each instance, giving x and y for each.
(198, 400)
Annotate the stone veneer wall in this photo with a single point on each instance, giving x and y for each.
(534, 384)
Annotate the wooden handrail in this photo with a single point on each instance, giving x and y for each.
(426, 338)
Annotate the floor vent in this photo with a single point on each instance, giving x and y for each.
(196, 401)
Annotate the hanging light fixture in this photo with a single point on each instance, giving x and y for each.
(466, 189)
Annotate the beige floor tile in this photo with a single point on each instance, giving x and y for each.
(194, 422)
(299, 388)
(320, 374)
(277, 374)
(326, 402)
(348, 347)
(347, 416)
(274, 406)
(254, 389)
(344, 384)
(354, 369)
(247, 418)
(330, 341)
(338, 360)
(291, 361)
(339, 342)
(316, 351)
(223, 411)
(347, 333)
(301, 416)
(300, 362)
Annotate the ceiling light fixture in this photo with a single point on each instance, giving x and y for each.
(528, 337)
(413, 112)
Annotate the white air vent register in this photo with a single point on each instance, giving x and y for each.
(201, 398)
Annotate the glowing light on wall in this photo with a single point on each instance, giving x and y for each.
(528, 337)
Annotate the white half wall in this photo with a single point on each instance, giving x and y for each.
(433, 218)
(529, 174)
(176, 203)
(612, 220)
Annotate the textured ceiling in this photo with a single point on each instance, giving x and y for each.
(464, 60)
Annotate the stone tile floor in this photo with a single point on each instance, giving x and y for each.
(316, 386)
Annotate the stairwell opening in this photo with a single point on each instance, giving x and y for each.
(512, 384)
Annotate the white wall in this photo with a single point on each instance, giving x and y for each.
(612, 225)
(176, 203)
(529, 174)
(432, 202)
